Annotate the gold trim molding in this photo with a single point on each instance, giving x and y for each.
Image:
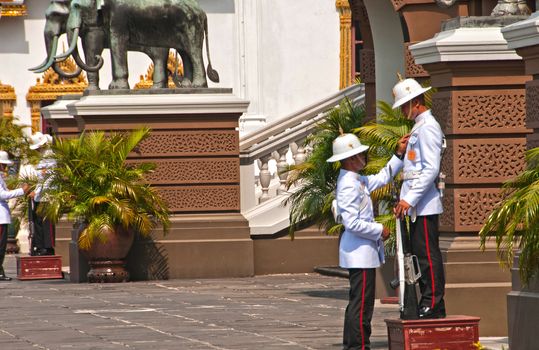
(345, 14)
(7, 100)
(51, 86)
(13, 10)
(146, 81)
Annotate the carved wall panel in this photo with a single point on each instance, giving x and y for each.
(486, 160)
(441, 109)
(447, 162)
(413, 70)
(447, 219)
(532, 141)
(359, 11)
(485, 111)
(532, 104)
(471, 208)
(189, 143)
(368, 68)
(201, 198)
(195, 171)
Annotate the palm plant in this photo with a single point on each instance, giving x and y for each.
(317, 178)
(13, 141)
(514, 223)
(93, 184)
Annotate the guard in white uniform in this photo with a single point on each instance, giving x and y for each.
(43, 240)
(361, 249)
(5, 214)
(420, 197)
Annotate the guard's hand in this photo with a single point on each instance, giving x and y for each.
(401, 209)
(32, 194)
(402, 144)
(385, 233)
(25, 187)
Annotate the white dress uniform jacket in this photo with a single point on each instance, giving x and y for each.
(43, 183)
(5, 195)
(361, 245)
(422, 166)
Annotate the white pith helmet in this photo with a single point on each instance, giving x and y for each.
(405, 90)
(4, 158)
(345, 146)
(38, 139)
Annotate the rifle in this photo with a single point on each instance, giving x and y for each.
(409, 271)
(31, 228)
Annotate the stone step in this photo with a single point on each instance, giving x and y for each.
(469, 299)
(475, 272)
(470, 255)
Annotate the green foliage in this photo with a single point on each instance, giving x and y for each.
(514, 223)
(92, 183)
(14, 142)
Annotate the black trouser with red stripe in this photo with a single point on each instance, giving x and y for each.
(43, 232)
(358, 315)
(3, 246)
(424, 240)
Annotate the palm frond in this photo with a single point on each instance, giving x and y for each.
(514, 223)
(92, 183)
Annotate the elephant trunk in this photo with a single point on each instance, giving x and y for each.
(50, 57)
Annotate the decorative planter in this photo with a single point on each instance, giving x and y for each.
(107, 259)
(522, 311)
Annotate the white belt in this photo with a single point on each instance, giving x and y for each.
(410, 175)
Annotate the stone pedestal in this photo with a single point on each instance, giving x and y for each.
(451, 333)
(39, 267)
(63, 124)
(195, 144)
(480, 104)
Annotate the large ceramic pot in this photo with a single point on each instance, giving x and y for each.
(107, 259)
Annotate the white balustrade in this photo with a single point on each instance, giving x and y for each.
(268, 153)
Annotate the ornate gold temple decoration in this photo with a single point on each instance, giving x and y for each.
(12, 9)
(7, 100)
(146, 81)
(51, 86)
(343, 6)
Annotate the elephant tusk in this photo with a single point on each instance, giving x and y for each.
(51, 57)
(72, 45)
(42, 64)
(86, 67)
(60, 72)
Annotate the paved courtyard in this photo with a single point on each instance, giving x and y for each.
(300, 311)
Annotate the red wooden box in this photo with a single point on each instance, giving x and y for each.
(451, 333)
(39, 267)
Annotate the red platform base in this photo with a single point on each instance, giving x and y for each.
(451, 333)
(39, 267)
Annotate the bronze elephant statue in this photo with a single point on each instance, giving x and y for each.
(94, 39)
(178, 24)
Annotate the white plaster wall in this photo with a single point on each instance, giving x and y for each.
(281, 55)
(300, 53)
